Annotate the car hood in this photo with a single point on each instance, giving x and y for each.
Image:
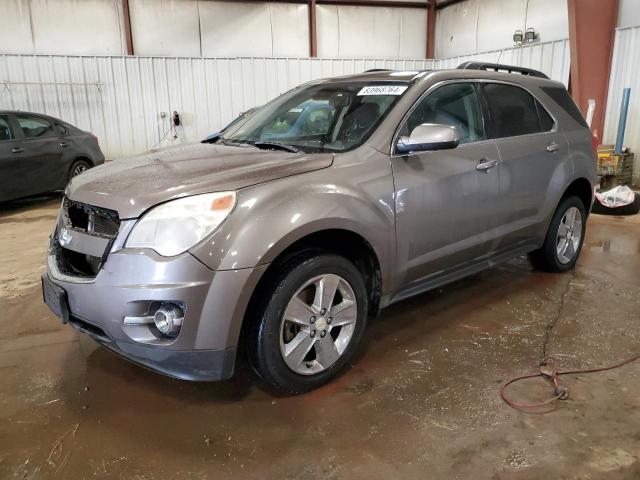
(130, 186)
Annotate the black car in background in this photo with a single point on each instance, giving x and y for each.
(40, 154)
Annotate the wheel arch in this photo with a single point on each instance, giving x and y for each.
(338, 241)
(581, 188)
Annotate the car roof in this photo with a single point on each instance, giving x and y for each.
(476, 70)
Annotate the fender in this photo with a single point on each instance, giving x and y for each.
(270, 217)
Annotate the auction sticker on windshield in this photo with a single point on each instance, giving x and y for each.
(383, 90)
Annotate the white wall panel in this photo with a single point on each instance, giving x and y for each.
(255, 29)
(165, 27)
(629, 13)
(67, 27)
(550, 18)
(625, 72)
(124, 111)
(15, 27)
(371, 32)
(497, 20)
(456, 28)
(478, 26)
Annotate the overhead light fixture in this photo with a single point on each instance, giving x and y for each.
(529, 35)
(517, 38)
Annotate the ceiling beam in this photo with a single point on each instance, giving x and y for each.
(448, 3)
(353, 3)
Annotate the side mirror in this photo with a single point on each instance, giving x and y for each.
(429, 136)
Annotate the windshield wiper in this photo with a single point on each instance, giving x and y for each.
(282, 146)
(228, 143)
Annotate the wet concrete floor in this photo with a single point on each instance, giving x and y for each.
(421, 401)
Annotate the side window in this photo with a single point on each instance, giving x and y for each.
(454, 104)
(546, 122)
(5, 131)
(512, 110)
(35, 127)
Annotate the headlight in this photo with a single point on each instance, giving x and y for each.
(176, 226)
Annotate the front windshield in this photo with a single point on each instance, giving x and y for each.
(318, 118)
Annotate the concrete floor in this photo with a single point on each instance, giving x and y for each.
(420, 402)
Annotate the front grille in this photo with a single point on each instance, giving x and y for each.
(90, 220)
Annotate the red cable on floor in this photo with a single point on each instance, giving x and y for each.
(560, 392)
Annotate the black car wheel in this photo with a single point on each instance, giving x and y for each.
(307, 327)
(78, 167)
(564, 239)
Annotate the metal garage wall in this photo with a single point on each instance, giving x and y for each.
(552, 58)
(475, 26)
(62, 27)
(625, 72)
(371, 32)
(120, 98)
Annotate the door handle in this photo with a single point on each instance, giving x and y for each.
(17, 150)
(63, 144)
(552, 147)
(485, 164)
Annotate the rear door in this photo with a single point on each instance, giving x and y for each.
(531, 150)
(43, 148)
(10, 185)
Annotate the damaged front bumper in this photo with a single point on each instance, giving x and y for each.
(134, 282)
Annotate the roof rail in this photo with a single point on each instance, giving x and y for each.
(497, 67)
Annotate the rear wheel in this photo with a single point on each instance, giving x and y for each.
(78, 167)
(308, 326)
(564, 239)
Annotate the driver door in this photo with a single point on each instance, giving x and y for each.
(445, 199)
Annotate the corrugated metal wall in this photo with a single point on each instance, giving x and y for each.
(625, 72)
(120, 99)
(552, 58)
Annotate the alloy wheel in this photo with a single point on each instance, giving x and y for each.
(78, 169)
(569, 235)
(318, 324)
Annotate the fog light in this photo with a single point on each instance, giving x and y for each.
(168, 319)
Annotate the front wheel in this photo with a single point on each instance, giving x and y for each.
(309, 325)
(564, 239)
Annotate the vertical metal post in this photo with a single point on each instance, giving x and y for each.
(127, 26)
(313, 33)
(622, 123)
(431, 29)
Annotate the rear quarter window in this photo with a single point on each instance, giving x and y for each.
(564, 101)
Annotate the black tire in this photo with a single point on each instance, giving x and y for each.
(78, 167)
(546, 258)
(264, 333)
(630, 209)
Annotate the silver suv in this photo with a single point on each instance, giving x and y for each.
(336, 199)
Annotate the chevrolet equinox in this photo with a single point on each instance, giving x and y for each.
(281, 236)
